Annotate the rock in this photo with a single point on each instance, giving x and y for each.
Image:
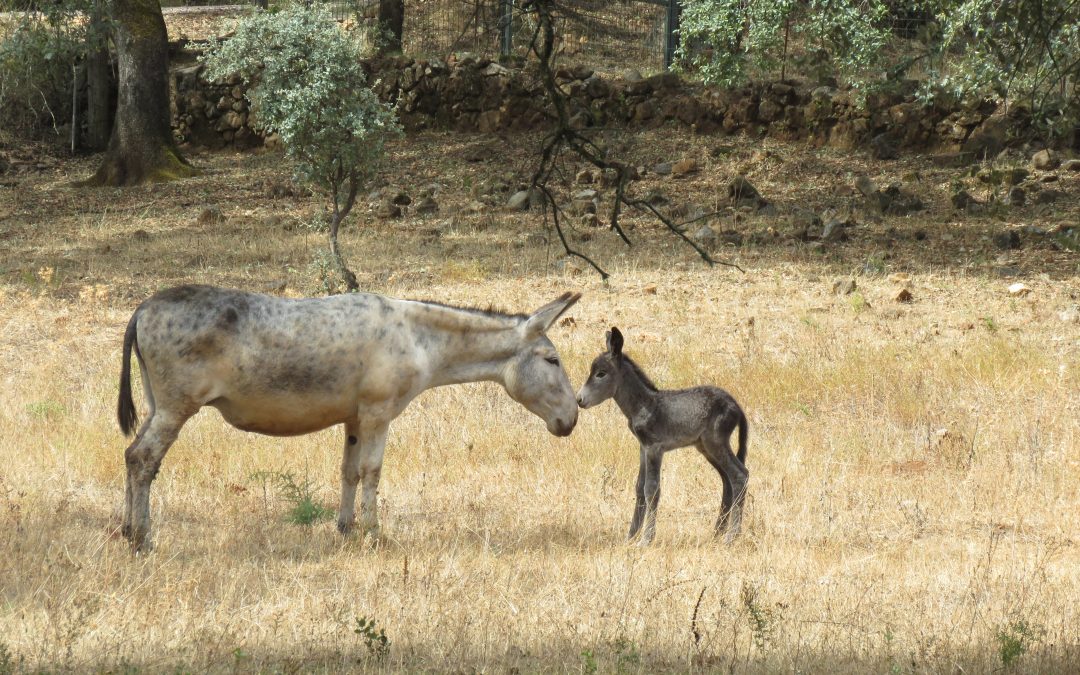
(1045, 160)
(400, 198)
(881, 147)
(706, 236)
(1071, 165)
(426, 205)
(656, 198)
(903, 295)
(140, 235)
(1070, 314)
(895, 201)
(1016, 175)
(844, 287)
(684, 167)
(834, 231)
(1007, 240)
(279, 190)
(388, 209)
(961, 200)
(589, 220)
(742, 192)
(631, 75)
(1018, 290)
(865, 186)
(584, 202)
(1047, 196)
(210, 214)
(731, 237)
(585, 177)
(474, 207)
(662, 169)
(519, 201)
(597, 88)
(1015, 196)
(494, 69)
(1048, 178)
(804, 220)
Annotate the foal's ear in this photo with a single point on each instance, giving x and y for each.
(614, 341)
(542, 318)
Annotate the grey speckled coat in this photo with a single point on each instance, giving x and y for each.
(664, 420)
(287, 367)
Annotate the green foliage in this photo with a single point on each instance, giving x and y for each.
(1026, 52)
(7, 661)
(761, 618)
(378, 645)
(1023, 52)
(589, 665)
(300, 494)
(307, 84)
(726, 40)
(1014, 640)
(38, 50)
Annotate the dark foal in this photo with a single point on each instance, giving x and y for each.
(665, 420)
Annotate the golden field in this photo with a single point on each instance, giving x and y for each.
(914, 500)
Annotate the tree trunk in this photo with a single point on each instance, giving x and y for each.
(141, 148)
(99, 82)
(391, 19)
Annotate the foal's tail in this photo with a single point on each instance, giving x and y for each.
(743, 431)
(125, 407)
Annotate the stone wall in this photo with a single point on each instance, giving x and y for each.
(476, 94)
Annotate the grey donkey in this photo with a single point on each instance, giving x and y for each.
(286, 367)
(665, 420)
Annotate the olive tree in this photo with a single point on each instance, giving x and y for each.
(306, 83)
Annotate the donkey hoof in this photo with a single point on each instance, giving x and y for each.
(344, 527)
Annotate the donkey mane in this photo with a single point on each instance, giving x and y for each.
(638, 372)
(490, 311)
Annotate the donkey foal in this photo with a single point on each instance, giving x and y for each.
(665, 420)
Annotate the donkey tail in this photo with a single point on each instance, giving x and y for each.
(743, 433)
(125, 406)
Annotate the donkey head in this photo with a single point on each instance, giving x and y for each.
(535, 378)
(605, 374)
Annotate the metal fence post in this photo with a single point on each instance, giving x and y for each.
(507, 39)
(671, 41)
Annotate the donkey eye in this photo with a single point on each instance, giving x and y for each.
(600, 374)
(553, 360)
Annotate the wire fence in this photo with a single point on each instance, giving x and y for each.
(606, 35)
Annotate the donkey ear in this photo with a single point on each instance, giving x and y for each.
(614, 341)
(542, 318)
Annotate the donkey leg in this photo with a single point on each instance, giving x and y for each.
(126, 527)
(143, 458)
(726, 495)
(372, 445)
(737, 476)
(639, 498)
(350, 476)
(653, 459)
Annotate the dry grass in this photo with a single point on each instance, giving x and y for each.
(914, 467)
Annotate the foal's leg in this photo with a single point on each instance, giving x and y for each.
(639, 497)
(350, 476)
(362, 464)
(726, 493)
(653, 458)
(143, 458)
(719, 450)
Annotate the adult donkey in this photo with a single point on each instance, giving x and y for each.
(286, 367)
(664, 420)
